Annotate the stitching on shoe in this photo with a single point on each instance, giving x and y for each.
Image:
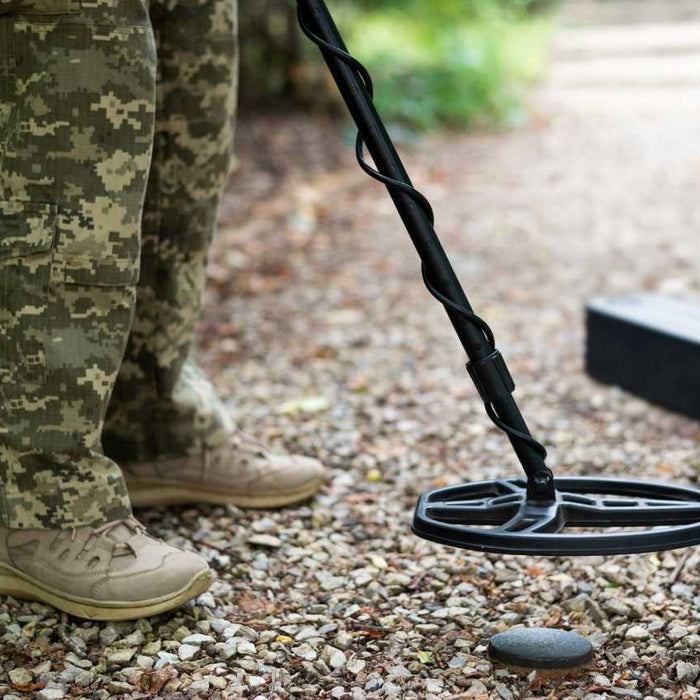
(120, 577)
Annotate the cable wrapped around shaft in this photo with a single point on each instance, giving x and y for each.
(423, 203)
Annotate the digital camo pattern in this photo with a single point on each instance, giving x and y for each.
(39, 6)
(77, 107)
(76, 133)
(197, 70)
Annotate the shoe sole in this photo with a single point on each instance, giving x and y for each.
(18, 585)
(153, 492)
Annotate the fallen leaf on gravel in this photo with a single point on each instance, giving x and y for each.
(361, 498)
(305, 404)
(251, 604)
(554, 620)
(425, 657)
(152, 682)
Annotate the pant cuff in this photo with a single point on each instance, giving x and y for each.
(86, 491)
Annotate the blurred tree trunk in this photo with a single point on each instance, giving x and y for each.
(271, 49)
(279, 66)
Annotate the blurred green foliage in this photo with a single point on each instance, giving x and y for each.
(460, 9)
(434, 62)
(431, 74)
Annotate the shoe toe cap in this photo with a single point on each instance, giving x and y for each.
(295, 473)
(180, 569)
(168, 572)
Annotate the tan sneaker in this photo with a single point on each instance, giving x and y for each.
(113, 572)
(241, 472)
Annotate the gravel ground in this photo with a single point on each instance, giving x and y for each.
(320, 334)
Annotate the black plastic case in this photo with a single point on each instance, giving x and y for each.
(648, 345)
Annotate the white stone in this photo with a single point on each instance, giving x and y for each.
(355, 666)
(50, 694)
(198, 639)
(685, 672)
(334, 657)
(120, 656)
(187, 651)
(398, 672)
(677, 632)
(20, 676)
(143, 661)
(306, 652)
(443, 613)
(219, 624)
(198, 689)
(265, 541)
(458, 661)
(165, 658)
(433, 685)
(351, 610)
(343, 640)
(692, 641)
(206, 600)
(637, 633)
(231, 631)
(330, 583)
(307, 633)
(255, 681)
(245, 647)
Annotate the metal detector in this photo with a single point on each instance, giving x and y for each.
(537, 514)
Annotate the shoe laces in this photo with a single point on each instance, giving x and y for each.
(247, 443)
(103, 531)
(248, 447)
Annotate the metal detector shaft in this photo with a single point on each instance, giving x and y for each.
(317, 18)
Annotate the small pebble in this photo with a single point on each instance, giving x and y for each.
(187, 651)
(637, 633)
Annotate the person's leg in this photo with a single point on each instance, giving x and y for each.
(165, 421)
(77, 100)
(76, 135)
(162, 404)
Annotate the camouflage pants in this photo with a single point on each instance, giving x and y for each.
(115, 132)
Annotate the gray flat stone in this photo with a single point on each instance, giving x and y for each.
(541, 647)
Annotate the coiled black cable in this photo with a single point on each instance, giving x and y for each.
(425, 205)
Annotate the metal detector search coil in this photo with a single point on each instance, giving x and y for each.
(531, 515)
(497, 516)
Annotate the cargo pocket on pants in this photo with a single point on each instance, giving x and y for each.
(27, 234)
